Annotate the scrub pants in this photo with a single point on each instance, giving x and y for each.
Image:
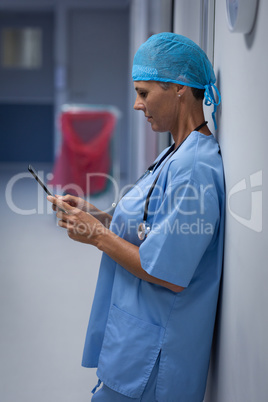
(106, 394)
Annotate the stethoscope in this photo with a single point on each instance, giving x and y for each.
(144, 228)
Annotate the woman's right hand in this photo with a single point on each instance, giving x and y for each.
(76, 202)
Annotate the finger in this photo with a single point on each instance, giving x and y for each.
(62, 224)
(64, 206)
(65, 217)
(66, 224)
(65, 198)
(70, 199)
(56, 209)
(61, 215)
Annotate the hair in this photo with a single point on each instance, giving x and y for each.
(198, 93)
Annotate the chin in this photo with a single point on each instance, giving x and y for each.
(158, 130)
(154, 127)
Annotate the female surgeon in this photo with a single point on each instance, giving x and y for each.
(152, 319)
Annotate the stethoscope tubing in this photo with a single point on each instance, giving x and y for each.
(144, 227)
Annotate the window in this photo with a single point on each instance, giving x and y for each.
(21, 48)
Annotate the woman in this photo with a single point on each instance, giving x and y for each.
(152, 318)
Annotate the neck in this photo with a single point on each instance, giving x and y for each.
(186, 123)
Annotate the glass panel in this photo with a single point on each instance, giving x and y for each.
(22, 48)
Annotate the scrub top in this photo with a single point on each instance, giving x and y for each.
(133, 322)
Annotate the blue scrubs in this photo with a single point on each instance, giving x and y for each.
(134, 323)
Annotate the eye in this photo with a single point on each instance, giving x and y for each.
(143, 94)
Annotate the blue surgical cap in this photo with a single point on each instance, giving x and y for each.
(168, 57)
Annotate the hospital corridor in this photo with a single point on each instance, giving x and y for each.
(47, 287)
(67, 104)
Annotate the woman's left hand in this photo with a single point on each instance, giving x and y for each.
(81, 226)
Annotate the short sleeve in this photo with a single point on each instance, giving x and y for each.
(181, 231)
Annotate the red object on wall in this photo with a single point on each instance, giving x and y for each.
(84, 160)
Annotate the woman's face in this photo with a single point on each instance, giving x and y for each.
(159, 105)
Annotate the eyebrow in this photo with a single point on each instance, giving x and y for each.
(140, 89)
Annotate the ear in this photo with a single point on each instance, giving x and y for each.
(180, 89)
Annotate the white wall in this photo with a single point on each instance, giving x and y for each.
(187, 19)
(239, 364)
(239, 368)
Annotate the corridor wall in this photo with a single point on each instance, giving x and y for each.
(239, 365)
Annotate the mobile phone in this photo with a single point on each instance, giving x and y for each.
(37, 178)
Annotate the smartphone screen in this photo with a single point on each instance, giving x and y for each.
(37, 178)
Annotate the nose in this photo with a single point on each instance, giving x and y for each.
(138, 105)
